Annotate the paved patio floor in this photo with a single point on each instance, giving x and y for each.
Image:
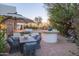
(61, 48)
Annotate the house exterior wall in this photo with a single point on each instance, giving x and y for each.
(20, 21)
(11, 24)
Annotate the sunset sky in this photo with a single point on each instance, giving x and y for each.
(30, 10)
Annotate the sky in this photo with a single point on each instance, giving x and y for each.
(30, 10)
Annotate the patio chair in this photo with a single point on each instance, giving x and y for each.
(17, 43)
(38, 38)
(29, 49)
(14, 44)
(11, 44)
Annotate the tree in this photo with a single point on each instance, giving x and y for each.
(62, 15)
(38, 20)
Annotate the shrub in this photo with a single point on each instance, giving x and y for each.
(2, 41)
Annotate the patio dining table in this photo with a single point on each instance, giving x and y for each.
(29, 40)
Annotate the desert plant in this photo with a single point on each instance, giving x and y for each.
(2, 36)
(62, 15)
(2, 41)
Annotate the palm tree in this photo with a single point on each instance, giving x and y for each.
(38, 20)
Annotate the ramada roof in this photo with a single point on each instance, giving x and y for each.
(15, 15)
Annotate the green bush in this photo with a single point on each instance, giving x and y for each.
(61, 16)
(2, 41)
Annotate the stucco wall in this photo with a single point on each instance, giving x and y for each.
(11, 23)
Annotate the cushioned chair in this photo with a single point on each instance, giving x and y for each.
(14, 44)
(11, 43)
(16, 41)
(29, 49)
(38, 38)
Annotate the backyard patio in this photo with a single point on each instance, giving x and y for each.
(22, 36)
(61, 48)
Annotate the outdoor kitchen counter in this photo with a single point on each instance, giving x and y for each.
(49, 36)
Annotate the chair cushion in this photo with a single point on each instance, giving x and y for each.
(16, 41)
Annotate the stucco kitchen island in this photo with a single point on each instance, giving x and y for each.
(49, 36)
